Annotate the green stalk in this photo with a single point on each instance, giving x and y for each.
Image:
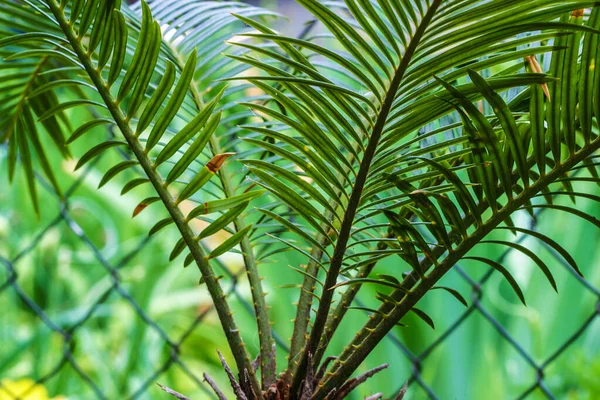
(302, 319)
(369, 336)
(361, 178)
(232, 333)
(267, 350)
(267, 344)
(348, 296)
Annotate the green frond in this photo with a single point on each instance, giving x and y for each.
(442, 126)
(406, 130)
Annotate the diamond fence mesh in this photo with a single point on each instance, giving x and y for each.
(172, 342)
(66, 330)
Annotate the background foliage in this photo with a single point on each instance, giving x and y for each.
(81, 264)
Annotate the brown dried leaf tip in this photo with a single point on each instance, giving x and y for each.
(139, 208)
(214, 387)
(172, 392)
(143, 204)
(217, 161)
(402, 392)
(237, 389)
(578, 13)
(537, 68)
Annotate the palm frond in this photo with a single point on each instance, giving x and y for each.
(425, 108)
(122, 70)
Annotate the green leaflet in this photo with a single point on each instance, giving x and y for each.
(315, 173)
(298, 229)
(512, 136)
(429, 210)
(294, 179)
(455, 293)
(30, 36)
(570, 210)
(207, 172)
(306, 274)
(306, 127)
(360, 281)
(111, 173)
(120, 49)
(452, 214)
(83, 129)
(58, 84)
(132, 74)
(487, 135)
(300, 250)
(538, 133)
(97, 150)
(537, 260)
(87, 17)
(174, 103)
(66, 105)
(569, 79)
(223, 220)
(294, 200)
(101, 22)
(464, 198)
(33, 135)
(107, 38)
(325, 106)
(210, 207)
(588, 76)
(133, 184)
(160, 225)
(27, 162)
(422, 315)
(189, 131)
(179, 247)
(188, 260)
(389, 278)
(498, 267)
(147, 69)
(401, 229)
(229, 243)
(157, 99)
(366, 309)
(195, 149)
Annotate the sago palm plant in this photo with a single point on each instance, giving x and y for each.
(400, 129)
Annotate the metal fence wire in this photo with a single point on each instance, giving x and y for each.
(68, 331)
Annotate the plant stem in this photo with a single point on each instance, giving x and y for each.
(350, 293)
(218, 296)
(267, 351)
(302, 319)
(369, 336)
(348, 220)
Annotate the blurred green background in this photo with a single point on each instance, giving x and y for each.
(90, 308)
(126, 311)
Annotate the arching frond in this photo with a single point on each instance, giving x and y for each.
(422, 94)
(117, 67)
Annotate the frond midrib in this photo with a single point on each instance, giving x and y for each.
(377, 327)
(355, 197)
(267, 353)
(217, 294)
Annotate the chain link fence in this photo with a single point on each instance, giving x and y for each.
(173, 359)
(172, 344)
